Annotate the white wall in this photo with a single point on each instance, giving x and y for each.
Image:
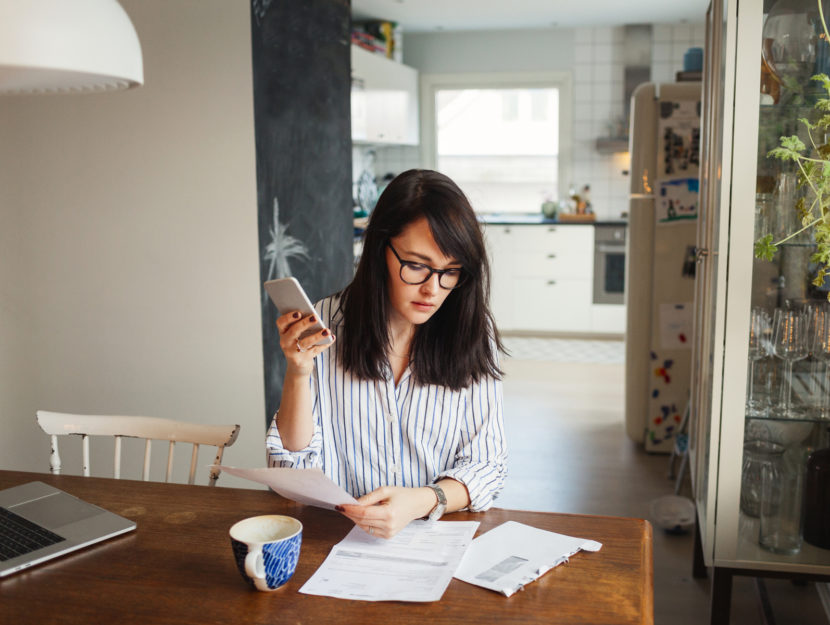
(542, 50)
(129, 275)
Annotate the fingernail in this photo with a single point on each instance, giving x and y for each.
(325, 332)
(339, 508)
(296, 315)
(312, 319)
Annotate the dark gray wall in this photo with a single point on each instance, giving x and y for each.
(302, 83)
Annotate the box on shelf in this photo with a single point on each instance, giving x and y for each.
(379, 36)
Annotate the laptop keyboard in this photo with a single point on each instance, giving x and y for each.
(19, 536)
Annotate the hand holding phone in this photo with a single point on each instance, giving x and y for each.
(289, 297)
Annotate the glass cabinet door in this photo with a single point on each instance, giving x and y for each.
(705, 349)
(763, 385)
(786, 409)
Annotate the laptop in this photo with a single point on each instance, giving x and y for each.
(39, 522)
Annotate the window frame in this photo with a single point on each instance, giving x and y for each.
(431, 83)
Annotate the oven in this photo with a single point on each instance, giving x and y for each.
(609, 264)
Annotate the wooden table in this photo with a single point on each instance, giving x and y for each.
(177, 567)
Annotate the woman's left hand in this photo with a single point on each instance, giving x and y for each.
(386, 511)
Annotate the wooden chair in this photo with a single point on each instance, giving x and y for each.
(149, 428)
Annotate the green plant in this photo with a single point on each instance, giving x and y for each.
(813, 165)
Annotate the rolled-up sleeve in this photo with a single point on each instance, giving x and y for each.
(306, 458)
(481, 455)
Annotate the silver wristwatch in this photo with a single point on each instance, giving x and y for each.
(441, 507)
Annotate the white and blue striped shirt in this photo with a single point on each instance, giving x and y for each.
(370, 433)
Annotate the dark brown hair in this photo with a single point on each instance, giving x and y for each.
(458, 344)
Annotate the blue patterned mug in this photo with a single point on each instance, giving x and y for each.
(267, 549)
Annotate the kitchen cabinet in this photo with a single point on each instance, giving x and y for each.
(541, 277)
(384, 100)
(732, 287)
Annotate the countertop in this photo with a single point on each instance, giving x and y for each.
(532, 219)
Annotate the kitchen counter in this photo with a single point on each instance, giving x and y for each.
(517, 219)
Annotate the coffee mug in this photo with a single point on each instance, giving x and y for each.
(267, 549)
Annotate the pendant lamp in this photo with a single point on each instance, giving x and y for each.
(67, 46)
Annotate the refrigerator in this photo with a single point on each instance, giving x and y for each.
(664, 144)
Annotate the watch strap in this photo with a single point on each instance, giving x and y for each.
(438, 511)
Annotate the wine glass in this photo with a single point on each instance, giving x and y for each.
(789, 343)
(757, 404)
(820, 329)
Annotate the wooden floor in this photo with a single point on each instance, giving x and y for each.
(569, 453)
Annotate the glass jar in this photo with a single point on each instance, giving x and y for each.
(782, 485)
(760, 457)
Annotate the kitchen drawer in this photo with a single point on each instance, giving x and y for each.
(555, 264)
(559, 238)
(552, 305)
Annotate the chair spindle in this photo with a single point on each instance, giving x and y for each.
(146, 471)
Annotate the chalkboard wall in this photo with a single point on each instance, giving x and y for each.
(302, 83)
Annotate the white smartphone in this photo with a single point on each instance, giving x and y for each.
(289, 296)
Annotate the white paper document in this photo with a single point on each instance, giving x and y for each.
(512, 555)
(308, 486)
(417, 564)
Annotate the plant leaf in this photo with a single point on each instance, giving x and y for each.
(765, 248)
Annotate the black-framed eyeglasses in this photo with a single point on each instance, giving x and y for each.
(418, 273)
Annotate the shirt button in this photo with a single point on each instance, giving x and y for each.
(390, 417)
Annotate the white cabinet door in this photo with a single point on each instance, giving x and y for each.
(499, 241)
(552, 305)
(608, 318)
(384, 100)
(542, 277)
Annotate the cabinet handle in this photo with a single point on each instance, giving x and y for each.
(551, 282)
(551, 228)
(551, 255)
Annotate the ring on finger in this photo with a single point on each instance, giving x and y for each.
(299, 348)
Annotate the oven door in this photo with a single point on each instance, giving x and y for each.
(609, 273)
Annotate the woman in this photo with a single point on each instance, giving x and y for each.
(405, 412)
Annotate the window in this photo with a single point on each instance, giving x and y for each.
(501, 144)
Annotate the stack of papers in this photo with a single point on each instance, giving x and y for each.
(512, 555)
(417, 564)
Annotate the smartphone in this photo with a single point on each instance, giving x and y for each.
(289, 296)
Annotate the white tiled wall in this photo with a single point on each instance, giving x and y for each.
(384, 159)
(597, 111)
(599, 107)
(669, 42)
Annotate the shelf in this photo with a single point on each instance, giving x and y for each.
(612, 145)
(810, 559)
(804, 419)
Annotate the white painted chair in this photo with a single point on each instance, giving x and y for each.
(149, 428)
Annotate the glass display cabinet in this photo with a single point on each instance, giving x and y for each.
(760, 400)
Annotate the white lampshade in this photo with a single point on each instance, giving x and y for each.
(64, 46)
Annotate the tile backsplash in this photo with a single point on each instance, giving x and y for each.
(599, 108)
(597, 111)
